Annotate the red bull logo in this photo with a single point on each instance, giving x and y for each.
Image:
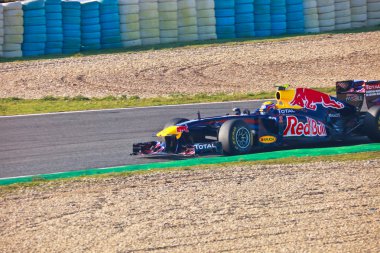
(309, 129)
(182, 129)
(309, 99)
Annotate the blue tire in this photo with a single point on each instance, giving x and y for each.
(278, 26)
(93, 35)
(112, 45)
(33, 46)
(33, 5)
(53, 50)
(244, 18)
(91, 14)
(33, 21)
(54, 30)
(68, 27)
(110, 33)
(90, 21)
(54, 37)
(109, 18)
(262, 18)
(227, 21)
(264, 33)
(30, 30)
(110, 25)
(263, 26)
(53, 23)
(110, 40)
(244, 8)
(224, 4)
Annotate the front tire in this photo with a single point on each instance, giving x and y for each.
(236, 137)
(372, 123)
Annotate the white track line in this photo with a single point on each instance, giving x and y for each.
(131, 108)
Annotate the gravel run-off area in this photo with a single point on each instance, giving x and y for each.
(317, 207)
(311, 61)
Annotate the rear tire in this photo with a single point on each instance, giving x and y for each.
(372, 123)
(236, 137)
(174, 122)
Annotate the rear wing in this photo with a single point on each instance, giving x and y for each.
(359, 93)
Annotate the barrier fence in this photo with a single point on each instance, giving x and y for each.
(38, 27)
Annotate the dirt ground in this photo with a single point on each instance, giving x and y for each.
(314, 61)
(316, 207)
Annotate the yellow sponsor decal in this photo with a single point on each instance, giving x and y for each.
(267, 139)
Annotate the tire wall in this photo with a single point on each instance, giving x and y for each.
(1, 30)
(90, 26)
(54, 28)
(38, 27)
(110, 36)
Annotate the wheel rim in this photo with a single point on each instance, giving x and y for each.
(243, 139)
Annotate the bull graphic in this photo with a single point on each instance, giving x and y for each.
(309, 99)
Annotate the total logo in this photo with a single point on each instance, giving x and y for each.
(206, 146)
(286, 111)
(267, 139)
(310, 128)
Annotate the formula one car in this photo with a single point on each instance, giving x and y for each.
(299, 115)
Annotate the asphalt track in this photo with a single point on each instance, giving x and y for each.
(51, 143)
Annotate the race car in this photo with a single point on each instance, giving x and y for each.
(297, 116)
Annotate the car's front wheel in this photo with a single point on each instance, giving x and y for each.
(236, 137)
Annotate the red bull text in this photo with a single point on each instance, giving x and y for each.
(309, 99)
(309, 129)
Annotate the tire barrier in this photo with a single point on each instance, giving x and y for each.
(225, 19)
(110, 24)
(54, 29)
(358, 13)
(36, 27)
(71, 17)
(278, 17)
(1, 30)
(326, 15)
(244, 18)
(263, 25)
(206, 19)
(13, 16)
(90, 25)
(149, 22)
(168, 15)
(187, 20)
(34, 41)
(310, 12)
(295, 19)
(129, 22)
(342, 14)
(373, 12)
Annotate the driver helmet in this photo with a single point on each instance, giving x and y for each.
(267, 107)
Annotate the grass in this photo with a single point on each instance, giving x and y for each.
(290, 160)
(19, 106)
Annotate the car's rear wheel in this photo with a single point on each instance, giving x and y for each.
(174, 122)
(372, 123)
(236, 137)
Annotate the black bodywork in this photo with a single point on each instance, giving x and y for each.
(320, 118)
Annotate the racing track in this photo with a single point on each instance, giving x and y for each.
(51, 143)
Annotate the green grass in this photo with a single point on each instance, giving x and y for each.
(290, 160)
(18, 106)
